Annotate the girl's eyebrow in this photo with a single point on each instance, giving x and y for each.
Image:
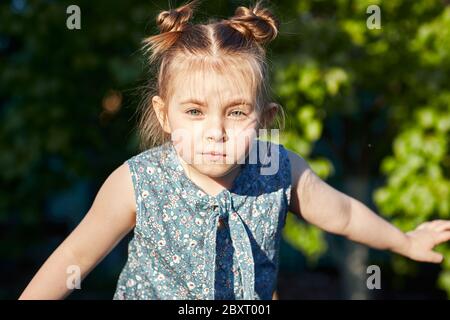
(230, 103)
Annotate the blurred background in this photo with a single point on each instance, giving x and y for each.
(368, 107)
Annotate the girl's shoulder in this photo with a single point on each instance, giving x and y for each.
(152, 156)
(298, 165)
(146, 166)
(150, 163)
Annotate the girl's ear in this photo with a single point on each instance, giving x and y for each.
(161, 113)
(270, 113)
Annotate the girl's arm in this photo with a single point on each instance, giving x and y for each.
(335, 212)
(111, 216)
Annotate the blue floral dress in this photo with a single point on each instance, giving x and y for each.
(177, 250)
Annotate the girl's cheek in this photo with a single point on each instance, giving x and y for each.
(181, 135)
(244, 137)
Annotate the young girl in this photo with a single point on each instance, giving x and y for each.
(206, 199)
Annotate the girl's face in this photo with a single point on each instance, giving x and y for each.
(207, 113)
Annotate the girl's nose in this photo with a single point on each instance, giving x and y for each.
(215, 134)
(215, 130)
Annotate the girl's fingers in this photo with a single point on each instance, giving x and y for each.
(443, 237)
(442, 225)
(436, 225)
(435, 257)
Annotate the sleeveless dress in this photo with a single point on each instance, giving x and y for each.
(177, 250)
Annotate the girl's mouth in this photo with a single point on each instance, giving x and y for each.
(214, 155)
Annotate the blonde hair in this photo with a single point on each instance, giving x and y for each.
(237, 43)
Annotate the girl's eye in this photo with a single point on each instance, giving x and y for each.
(239, 113)
(193, 114)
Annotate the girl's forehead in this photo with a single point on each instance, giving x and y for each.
(209, 84)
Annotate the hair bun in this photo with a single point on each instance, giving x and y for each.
(256, 22)
(176, 19)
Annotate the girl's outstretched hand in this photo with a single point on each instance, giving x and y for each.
(425, 237)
